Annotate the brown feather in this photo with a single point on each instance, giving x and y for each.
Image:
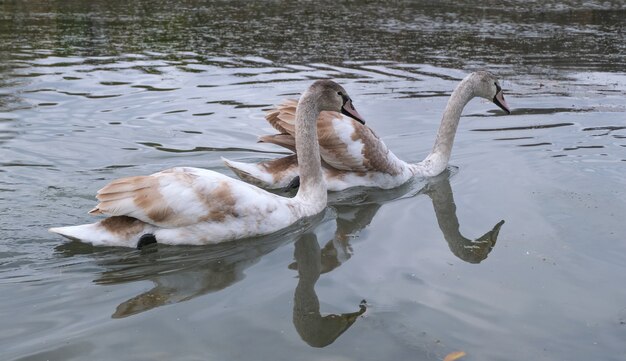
(283, 140)
(333, 149)
(220, 202)
(142, 190)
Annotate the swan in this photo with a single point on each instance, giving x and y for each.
(353, 155)
(195, 206)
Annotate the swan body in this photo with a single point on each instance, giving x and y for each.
(353, 155)
(187, 205)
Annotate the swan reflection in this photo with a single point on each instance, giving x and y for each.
(440, 193)
(311, 261)
(182, 273)
(351, 219)
(315, 329)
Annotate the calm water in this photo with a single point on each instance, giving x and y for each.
(92, 91)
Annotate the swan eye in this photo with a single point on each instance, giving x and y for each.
(340, 94)
(498, 89)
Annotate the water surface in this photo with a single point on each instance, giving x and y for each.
(92, 91)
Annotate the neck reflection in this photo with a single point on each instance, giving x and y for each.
(440, 193)
(182, 273)
(315, 329)
(353, 218)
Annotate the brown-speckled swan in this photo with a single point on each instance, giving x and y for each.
(197, 206)
(352, 153)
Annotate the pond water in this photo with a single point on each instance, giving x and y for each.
(93, 91)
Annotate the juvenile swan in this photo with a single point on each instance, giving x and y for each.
(196, 206)
(353, 155)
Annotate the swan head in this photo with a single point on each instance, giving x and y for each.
(486, 85)
(333, 97)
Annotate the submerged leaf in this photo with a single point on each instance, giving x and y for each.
(454, 356)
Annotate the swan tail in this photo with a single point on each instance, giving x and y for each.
(282, 140)
(113, 231)
(271, 174)
(283, 117)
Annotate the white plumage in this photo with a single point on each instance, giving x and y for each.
(196, 206)
(353, 155)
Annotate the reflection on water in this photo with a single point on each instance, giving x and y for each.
(440, 192)
(182, 273)
(96, 90)
(315, 329)
(356, 209)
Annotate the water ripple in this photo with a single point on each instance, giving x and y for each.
(527, 127)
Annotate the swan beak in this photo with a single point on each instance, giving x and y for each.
(348, 109)
(499, 101)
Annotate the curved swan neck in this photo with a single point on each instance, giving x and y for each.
(451, 116)
(438, 158)
(312, 186)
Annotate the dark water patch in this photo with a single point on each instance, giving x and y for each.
(32, 75)
(243, 106)
(176, 111)
(419, 32)
(73, 93)
(202, 114)
(152, 88)
(11, 164)
(514, 138)
(608, 128)
(119, 166)
(279, 71)
(421, 94)
(390, 72)
(273, 81)
(6, 135)
(191, 131)
(103, 96)
(584, 147)
(225, 102)
(190, 70)
(39, 90)
(152, 70)
(83, 94)
(61, 64)
(529, 127)
(534, 144)
(114, 83)
(204, 149)
(538, 111)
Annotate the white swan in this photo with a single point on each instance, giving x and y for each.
(353, 155)
(197, 206)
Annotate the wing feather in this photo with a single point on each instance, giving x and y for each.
(345, 144)
(171, 198)
(283, 140)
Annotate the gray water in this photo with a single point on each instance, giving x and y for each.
(93, 91)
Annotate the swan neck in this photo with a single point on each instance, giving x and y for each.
(312, 185)
(442, 149)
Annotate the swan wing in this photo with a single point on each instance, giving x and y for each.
(284, 140)
(181, 197)
(283, 117)
(345, 144)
